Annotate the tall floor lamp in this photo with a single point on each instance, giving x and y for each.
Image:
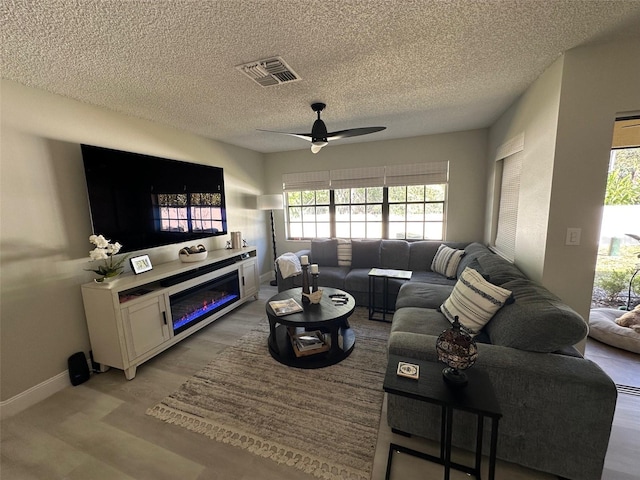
(271, 202)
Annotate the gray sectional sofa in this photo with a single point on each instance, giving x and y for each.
(557, 406)
(350, 271)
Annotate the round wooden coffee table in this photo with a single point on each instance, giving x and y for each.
(328, 317)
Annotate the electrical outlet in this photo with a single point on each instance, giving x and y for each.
(573, 236)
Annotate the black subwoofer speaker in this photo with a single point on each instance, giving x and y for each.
(78, 368)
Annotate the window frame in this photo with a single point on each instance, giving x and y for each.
(507, 196)
(385, 204)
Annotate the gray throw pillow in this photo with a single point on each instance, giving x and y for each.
(324, 252)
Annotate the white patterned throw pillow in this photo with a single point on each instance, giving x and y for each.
(446, 260)
(344, 252)
(474, 300)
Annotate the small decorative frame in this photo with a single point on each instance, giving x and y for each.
(140, 264)
(409, 370)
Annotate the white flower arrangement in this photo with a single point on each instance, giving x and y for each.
(105, 250)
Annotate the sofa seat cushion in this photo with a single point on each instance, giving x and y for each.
(423, 295)
(357, 280)
(537, 321)
(426, 321)
(333, 277)
(432, 278)
(414, 332)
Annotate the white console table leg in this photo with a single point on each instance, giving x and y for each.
(130, 373)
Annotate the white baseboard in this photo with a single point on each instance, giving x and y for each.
(34, 395)
(266, 277)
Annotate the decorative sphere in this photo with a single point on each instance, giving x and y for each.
(456, 348)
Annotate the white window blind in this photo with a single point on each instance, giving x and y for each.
(505, 242)
(305, 181)
(417, 174)
(391, 176)
(357, 177)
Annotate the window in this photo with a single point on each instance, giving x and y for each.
(308, 214)
(368, 203)
(508, 168)
(417, 211)
(358, 212)
(189, 212)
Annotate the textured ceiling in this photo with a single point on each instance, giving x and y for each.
(416, 66)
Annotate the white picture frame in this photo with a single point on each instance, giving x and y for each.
(140, 264)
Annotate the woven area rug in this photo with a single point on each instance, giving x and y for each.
(323, 422)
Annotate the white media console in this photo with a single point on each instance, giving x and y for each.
(135, 317)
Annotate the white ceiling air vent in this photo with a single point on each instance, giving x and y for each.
(269, 72)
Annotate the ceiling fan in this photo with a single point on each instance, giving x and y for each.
(319, 137)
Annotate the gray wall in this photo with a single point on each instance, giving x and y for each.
(45, 221)
(567, 116)
(465, 151)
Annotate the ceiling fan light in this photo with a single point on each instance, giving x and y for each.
(317, 146)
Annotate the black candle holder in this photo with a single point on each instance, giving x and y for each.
(305, 283)
(314, 282)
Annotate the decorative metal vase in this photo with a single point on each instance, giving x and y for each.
(457, 349)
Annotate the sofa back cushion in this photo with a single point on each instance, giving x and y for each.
(365, 253)
(499, 270)
(421, 255)
(324, 252)
(537, 321)
(472, 252)
(394, 254)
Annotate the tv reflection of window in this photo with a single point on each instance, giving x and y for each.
(189, 212)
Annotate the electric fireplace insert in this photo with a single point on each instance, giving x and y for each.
(195, 304)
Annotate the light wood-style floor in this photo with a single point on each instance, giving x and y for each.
(99, 430)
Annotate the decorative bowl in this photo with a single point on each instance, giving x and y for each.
(193, 257)
(314, 297)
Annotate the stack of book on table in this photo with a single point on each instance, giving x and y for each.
(308, 343)
(285, 307)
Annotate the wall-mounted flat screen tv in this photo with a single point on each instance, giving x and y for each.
(143, 201)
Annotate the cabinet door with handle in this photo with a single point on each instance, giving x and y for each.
(145, 325)
(249, 278)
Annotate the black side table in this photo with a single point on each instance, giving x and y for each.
(477, 397)
(385, 274)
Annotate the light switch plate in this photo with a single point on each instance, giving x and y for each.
(573, 236)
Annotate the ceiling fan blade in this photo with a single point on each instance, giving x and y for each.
(304, 136)
(353, 132)
(319, 135)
